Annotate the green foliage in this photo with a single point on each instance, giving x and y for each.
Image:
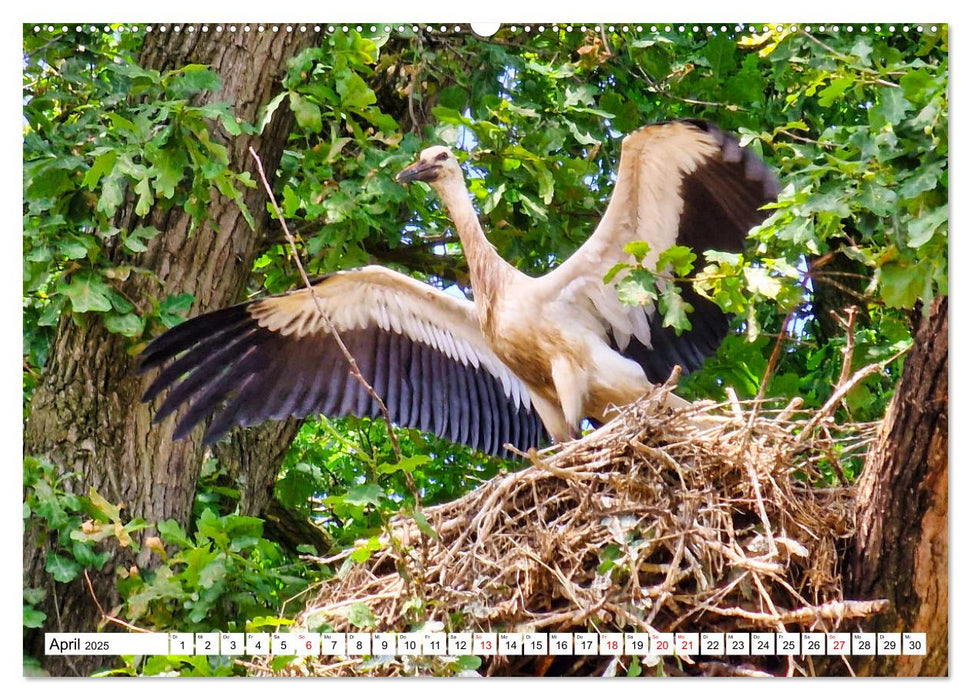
(345, 476)
(657, 284)
(71, 526)
(218, 577)
(867, 162)
(188, 666)
(861, 144)
(334, 179)
(101, 134)
(223, 575)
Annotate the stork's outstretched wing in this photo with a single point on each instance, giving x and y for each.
(420, 349)
(678, 183)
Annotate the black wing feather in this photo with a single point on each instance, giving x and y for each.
(225, 365)
(722, 198)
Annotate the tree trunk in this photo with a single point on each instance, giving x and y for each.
(86, 415)
(900, 549)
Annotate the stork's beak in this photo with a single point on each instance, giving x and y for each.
(423, 171)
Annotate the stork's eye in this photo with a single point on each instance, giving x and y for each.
(441, 157)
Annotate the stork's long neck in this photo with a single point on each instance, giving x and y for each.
(487, 270)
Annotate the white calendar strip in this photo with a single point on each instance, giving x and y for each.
(105, 644)
(402, 644)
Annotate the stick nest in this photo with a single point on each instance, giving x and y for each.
(710, 518)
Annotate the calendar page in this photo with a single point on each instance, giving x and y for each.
(377, 347)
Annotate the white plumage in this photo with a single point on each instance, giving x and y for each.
(530, 357)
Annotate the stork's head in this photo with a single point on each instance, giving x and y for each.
(436, 165)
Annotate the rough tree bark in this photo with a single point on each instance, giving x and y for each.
(900, 548)
(86, 416)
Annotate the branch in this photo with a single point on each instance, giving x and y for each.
(830, 406)
(835, 610)
(403, 559)
(656, 86)
(105, 616)
(847, 325)
(352, 363)
(846, 59)
(804, 139)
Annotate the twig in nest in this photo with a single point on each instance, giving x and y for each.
(847, 325)
(733, 402)
(787, 413)
(720, 668)
(835, 610)
(841, 391)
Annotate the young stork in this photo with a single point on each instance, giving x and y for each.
(530, 358)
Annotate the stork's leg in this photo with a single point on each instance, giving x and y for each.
(553, 419)
(571, 390)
